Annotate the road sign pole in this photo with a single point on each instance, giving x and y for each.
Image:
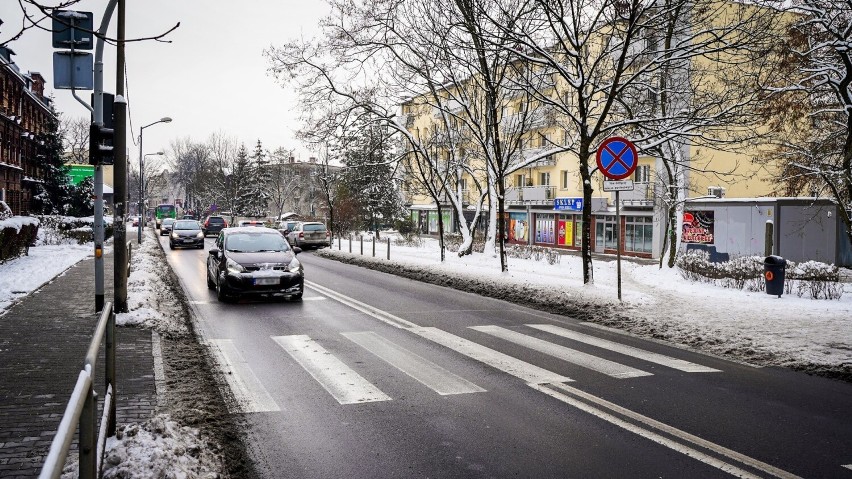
(618, 240)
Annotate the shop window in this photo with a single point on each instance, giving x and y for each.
(638, 234)
(605, 233)
(545, 228)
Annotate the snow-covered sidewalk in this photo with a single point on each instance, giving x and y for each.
(802, 333)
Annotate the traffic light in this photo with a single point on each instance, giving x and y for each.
(100, 145)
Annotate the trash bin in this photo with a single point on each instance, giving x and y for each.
(773, 273)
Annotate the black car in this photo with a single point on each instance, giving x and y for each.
(186, 234)
(254, 261)
(213, 225)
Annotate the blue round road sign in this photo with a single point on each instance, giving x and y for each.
(617, 158)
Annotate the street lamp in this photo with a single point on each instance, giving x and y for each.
(165, 119)
(142, 189)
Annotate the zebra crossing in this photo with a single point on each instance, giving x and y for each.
(347, 386)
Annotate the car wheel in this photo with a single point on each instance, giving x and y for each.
(296, 297)
(221, 292)
(210, 283)
(171, 245)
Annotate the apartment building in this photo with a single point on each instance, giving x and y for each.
(24, 113)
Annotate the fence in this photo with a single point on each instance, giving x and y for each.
(83, 406)
(361, 239)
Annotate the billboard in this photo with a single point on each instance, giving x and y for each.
(697, 227)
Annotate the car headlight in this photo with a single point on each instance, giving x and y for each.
(200, 234)
(295, 266)
(234, 267)
(174, 235)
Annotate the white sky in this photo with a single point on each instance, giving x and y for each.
(211, 78)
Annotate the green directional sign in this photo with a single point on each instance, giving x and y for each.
(78, 173)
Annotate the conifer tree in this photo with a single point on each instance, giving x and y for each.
(56, 190)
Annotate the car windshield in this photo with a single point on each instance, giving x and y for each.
(256, 242)
(187, 225)
(314, 227)
(168, 221)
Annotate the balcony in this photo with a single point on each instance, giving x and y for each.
(532, 195)
(642, 196)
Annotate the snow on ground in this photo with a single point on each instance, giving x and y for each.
(21, 276)
(158, 447)
(802, 333)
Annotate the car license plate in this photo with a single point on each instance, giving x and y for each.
(189, 240)
(265, 281)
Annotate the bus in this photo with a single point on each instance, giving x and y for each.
(164, 211)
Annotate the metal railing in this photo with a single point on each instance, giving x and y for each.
(83, 406)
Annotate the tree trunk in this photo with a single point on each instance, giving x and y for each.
(586, 176)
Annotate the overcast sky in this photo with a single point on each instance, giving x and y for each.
(210, 78)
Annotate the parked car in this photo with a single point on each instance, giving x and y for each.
(213, 224)
(250, 223)
(166, 226)
(286, 226)
(135, 220)
(186, 233)
(253, 261)
(309, 234)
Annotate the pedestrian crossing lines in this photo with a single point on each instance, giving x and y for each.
(347, 386)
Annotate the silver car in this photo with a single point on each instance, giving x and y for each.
(309, 234)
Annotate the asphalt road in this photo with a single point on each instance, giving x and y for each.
(372, 375)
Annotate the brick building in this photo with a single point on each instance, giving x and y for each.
(24, 114)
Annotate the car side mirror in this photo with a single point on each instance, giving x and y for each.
(214, 252)
(296, 250)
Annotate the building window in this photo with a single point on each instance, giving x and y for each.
(544, 179)
(545, 228)
(542, 140)
(638, 234)
(605, 233)
(520, 181)
(563, 179)
(642, 174)
(566, 138)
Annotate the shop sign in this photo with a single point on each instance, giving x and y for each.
(697, 227)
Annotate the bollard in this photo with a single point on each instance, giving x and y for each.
(338, 243)
(361, 238)
(374, 247)
(350, 243)
(388, 249)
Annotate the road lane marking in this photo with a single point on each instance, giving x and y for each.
(649, 356)
(848, 466)
(572, 396)
(527, 372)
(313, 298)
(344, 384)
(363, 307)
(248, 391)
(601, 365)
(417, 367)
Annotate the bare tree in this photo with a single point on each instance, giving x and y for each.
(76, 139)
(810, 104)
(663, 73)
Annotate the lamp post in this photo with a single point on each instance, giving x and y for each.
(142, 174)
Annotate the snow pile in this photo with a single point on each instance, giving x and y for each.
(750, 326)
(158, 448)
(18, 222)
(151, 303)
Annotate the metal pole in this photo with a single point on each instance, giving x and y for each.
(374, 246)
(99, 173)
(618, 239)
(141, 190)
(119, 218)
(88, 436)
(110, 371)
(361, 240)
(388, 248)
(350, 243)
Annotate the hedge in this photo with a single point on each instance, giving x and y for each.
(17, 234)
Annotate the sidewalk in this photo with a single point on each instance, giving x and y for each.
(43, 342)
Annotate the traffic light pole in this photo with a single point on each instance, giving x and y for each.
(119, 222)
(99, 172)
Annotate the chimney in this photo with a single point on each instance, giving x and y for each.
(38, 84)
(312, 159)
(292, 159)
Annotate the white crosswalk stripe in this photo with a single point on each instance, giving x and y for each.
(661, 359)
(344, 384)
(527, 372)
(601, 365)
(249, 393)
(424, 371)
